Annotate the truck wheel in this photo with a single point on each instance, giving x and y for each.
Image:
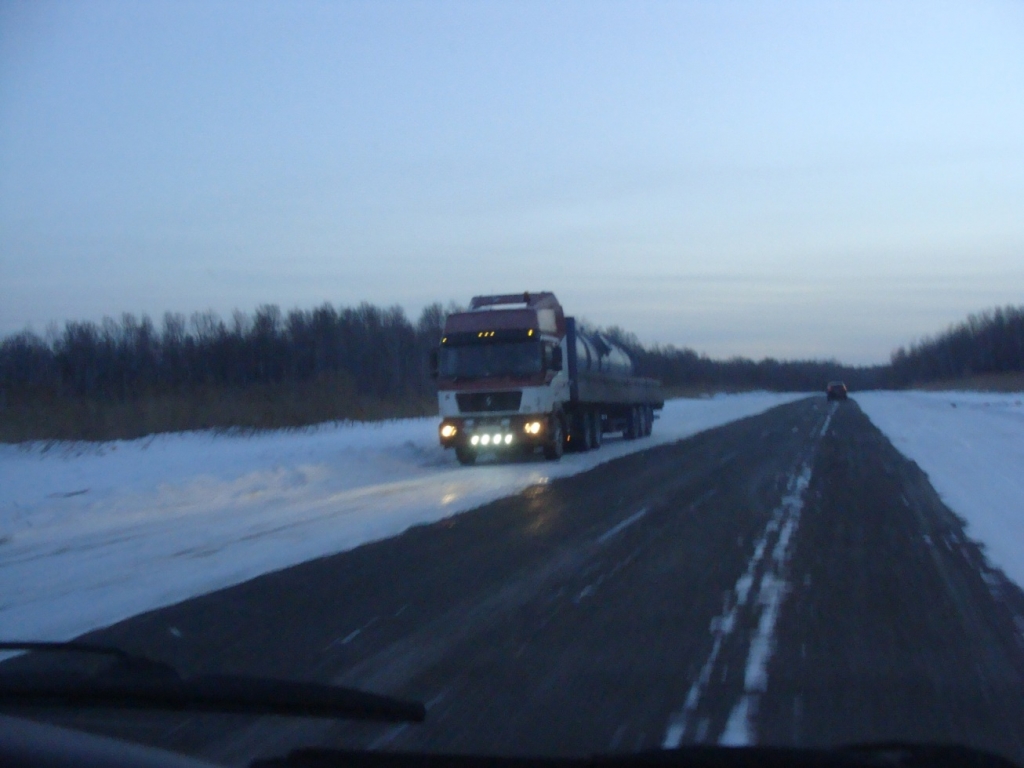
(588, 430)
(596, 415)
(466, 456)
(649, 419)
(553, 451)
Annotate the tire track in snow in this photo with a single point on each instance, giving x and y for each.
(770, 574)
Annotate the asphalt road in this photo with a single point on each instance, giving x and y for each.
(786, 579)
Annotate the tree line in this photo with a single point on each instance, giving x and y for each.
(686, 370)
(990, 342)
(379, 350)
(127, 377)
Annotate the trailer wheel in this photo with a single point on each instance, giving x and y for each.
(649, 420)
(465, 455)
(595, 419)
(554, 449)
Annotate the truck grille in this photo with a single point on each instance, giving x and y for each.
(482, 402)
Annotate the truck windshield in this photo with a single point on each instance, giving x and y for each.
(497, 359)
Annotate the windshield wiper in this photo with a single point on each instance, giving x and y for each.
(138, 682)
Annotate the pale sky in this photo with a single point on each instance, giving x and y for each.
(794, 179)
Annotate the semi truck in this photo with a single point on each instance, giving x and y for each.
(515, 375)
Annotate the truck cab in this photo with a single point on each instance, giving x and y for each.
(501, 375)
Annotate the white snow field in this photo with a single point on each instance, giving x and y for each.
(971, 445)
(92, 534)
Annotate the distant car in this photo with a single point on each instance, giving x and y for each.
(836, 390)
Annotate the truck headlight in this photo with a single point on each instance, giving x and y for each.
(448, 430)
(475, 440)
(532, 427)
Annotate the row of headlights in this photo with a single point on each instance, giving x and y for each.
(530, 428)
(489, 440)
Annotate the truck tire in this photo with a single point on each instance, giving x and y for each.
(595, 419)
(553, 450)
(649, 419)
(576, 440)
(588, 431)
(465, 455)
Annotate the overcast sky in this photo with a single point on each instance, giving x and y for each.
(778, 178)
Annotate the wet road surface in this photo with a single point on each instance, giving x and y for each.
(786, 579)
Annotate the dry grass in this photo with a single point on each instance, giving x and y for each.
(252, 408)
(986, 382)
(285, 405)
(702, 390)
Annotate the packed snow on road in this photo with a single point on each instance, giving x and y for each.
(971, 445)
(94, 533)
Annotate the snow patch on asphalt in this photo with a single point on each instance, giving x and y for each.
(769, 574)
(971, 445)
(91, 534)
(620, 527)
(740, 728)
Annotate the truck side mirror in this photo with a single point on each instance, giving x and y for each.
(556, 359)
(433, 364)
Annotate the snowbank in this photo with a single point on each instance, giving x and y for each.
(972, 447)
(92, 534)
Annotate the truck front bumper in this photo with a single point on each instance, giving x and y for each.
(495, 432)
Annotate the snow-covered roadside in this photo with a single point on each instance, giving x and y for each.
(90, 535)
(971, 445)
